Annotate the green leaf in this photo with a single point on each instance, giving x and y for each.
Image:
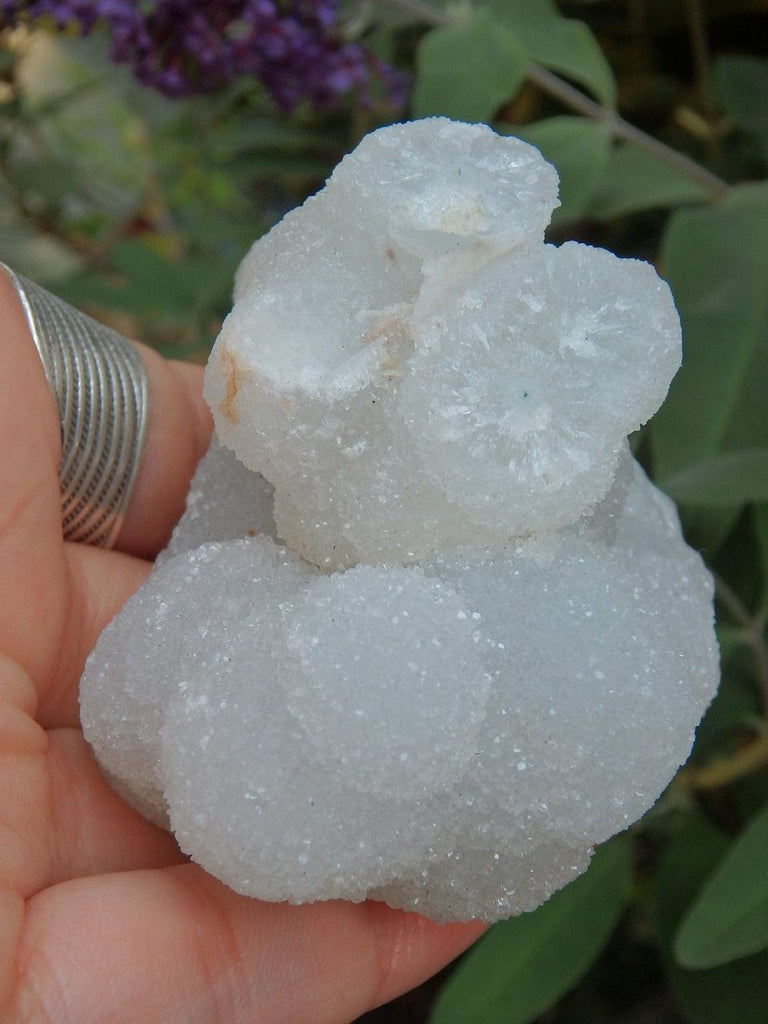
(732, 478)
(258, 134)
(50, 179)
(148, 284)
(635, 180)
(578, 147)
(33, 253)
(467, 70)
(716, 261)
(7, 60)
(84, 111)
(736, 993)
(739, 82)
(729, 919)
(522, 966)
(271, 165)
(561, 44)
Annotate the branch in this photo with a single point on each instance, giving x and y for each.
(697, 32)
(575, 99)
(724, 771)
(426, 12)
(571, 97)
(753, 631)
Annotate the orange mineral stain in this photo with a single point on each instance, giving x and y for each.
(232, 378)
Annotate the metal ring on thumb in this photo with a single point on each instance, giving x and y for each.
(100, 386)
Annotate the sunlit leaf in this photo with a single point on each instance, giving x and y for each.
(729, 919)
(468, 69)
(578, 147)
(524, 965)
(634, 180)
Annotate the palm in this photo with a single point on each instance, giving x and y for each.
(101, 918)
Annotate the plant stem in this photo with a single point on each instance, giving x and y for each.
(723, 771)
(575, 99)
(422, 10)
(754, 631)
(697, 32)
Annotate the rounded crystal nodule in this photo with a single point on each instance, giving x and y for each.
(448, 685)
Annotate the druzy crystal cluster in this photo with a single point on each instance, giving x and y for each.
(426, 632)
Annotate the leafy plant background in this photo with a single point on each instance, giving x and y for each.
(138, 208)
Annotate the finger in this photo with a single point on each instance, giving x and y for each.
(32, 569)
(11, 925)
(37, 626)
(207, 956)
(91, 829)
(98, 583)
(60, 819)
(178, 433)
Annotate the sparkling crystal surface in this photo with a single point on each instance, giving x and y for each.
(457, 638)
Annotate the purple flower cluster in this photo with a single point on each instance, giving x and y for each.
(190, 46)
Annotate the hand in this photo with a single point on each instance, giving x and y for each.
(102, 919)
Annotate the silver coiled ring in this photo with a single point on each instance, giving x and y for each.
(100, 387)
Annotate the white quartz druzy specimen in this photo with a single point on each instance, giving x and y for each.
(438, 635)
(452, 738)
(225, 501)
(408, 332)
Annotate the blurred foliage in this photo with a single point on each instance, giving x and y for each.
(656, 115)
(522, 965)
